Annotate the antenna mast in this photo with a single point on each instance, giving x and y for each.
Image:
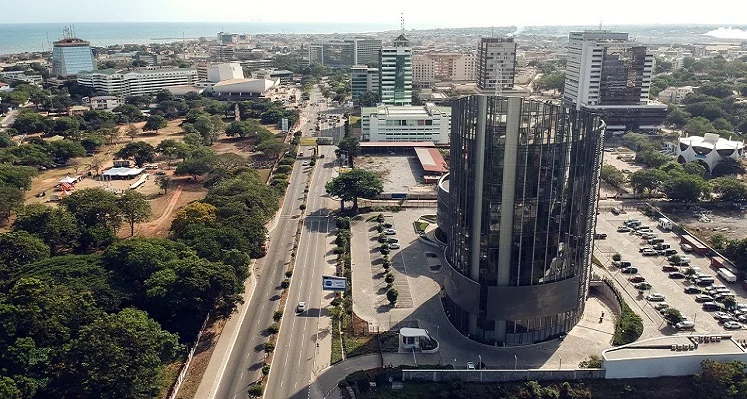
(402, 21)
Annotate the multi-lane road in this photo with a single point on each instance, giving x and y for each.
(297, 357)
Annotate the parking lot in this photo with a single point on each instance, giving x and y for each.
(627, 244)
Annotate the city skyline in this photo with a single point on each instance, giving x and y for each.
(511, 14)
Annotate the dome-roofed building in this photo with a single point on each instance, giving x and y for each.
(709, 150)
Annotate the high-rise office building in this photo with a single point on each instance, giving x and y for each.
(608, 74)
(362, 80)
(496, 64)
(395, 73)
(518, 212)
(345, 53)
(71, 56)
(366, 50)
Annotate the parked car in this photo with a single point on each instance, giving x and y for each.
(721, 315)
(470, 365)
(732, 325)
(390, 232)
(391, 240)
(655, 297)
(649, 252)
(637, 279)
(645, 247)
(661, 306)
(685, 325)
(642, 286)
(686, 247)
(394, 245)
(621, 263)
(691, 289)
(667, 252)
(629, 270)
(623, 229)
(676, 275)
(670, 268)
(702, 298)
(711, 306)
(600, 236)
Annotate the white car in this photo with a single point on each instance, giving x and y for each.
(390, 232)
(470, 365)
(394, 245)
(655, 297)
(732, 325)
(301, 307)
(685, 325)
(305, 163)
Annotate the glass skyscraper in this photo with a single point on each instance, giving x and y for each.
(71, 56)
(395, 73)
(518, 211)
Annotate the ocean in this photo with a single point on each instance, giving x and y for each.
(18, 38)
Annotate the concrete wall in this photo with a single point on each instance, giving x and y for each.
(608, 293)
(503, 375)
(676, 365)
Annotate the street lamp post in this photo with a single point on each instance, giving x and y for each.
(516, 362)
(480, 366)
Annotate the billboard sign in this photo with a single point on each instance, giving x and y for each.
(333, 283)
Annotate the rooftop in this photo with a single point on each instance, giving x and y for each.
(431, 160)
(428, 109)
(687, 345)
(71, 42)
(374, 144)
(712, 141)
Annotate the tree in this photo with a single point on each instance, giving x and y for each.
(612, 175)
(195, 166)
(163, 182)
(132, 131)
(729, 189)
(637, 142)
(238, 128)
(141, 152)
(134, 208)
(16, 176)
(672, 316)
(94, 206)
(172, 149)
(720, 380)
(647, 180)
(195, 213)
(63, 150)
(677, 117)
(97, 163)
(351, 185)
(727, 166)
(218, 125)
(64, 123)
(685, 188)
(19, 248)
(130, 113)
(351, 146)
(206, 128)
(698, 126)
(155, 123)
(273, 148)
(183, 291)
(119, 355)
(11, 199)
(554, 81)
(695, 169)
(31, 122)
(723, 124)
(55, 226)
(651, 158)
(391, 296)
(369, 99)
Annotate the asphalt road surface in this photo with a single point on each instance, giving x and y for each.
(247, 356)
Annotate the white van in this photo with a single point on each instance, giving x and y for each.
(727, 275)
(686, 247)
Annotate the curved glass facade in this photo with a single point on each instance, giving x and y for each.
(522, 191)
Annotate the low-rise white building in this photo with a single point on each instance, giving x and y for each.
(674, 95)
(104, 102)
(676, 355)
(136, 82)
(709, 150)
(406, 123)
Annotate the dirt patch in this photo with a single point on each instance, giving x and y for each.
(730, 223)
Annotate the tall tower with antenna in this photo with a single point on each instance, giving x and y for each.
(402, 22)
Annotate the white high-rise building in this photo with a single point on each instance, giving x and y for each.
(496, 64)
(611, 75)
(395, 73)
(411, 123)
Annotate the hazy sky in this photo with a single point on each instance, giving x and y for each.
(418, 14)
